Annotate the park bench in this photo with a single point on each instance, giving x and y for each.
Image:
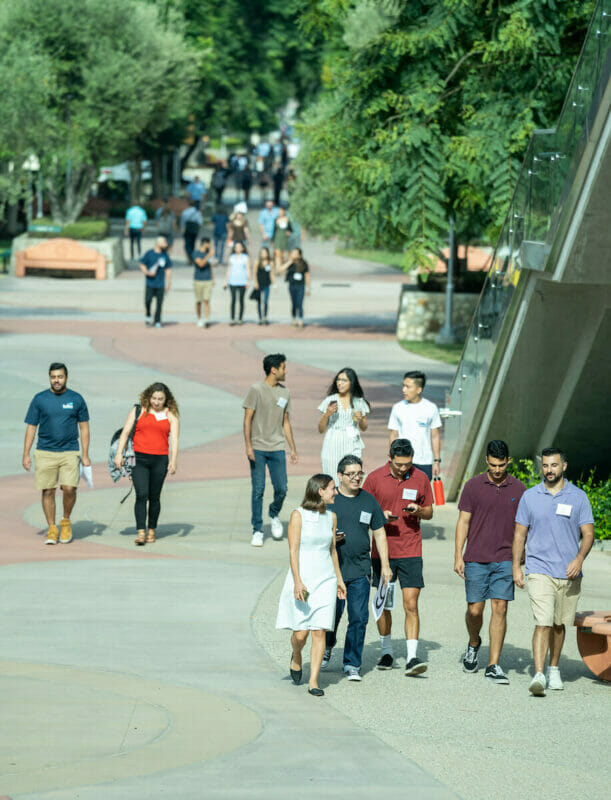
(60, 256)
(594, 641)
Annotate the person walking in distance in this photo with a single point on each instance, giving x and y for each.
(298, 279)
(357, 512)
(203, 281)
(487, 511)
(237, 279)
(156, 265)
(196, 191)
(343, 418)
(555, 521)
(60, 416)
(156, 449)
(266, 425)
(135, 223)
(263, 274)
(405, 496)
(191, 221)
(220, 221)
(267, 218)
(418, 420)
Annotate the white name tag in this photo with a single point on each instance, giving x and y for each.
(563, 510)
(268, 268)
(159, 415)
(297, 276)
(282, 402)
(410, 494)
(365, 517)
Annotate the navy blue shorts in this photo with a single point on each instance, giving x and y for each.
(492, 581)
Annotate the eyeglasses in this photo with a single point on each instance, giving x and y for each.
(353, 475)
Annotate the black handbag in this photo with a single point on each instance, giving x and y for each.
(255, 294)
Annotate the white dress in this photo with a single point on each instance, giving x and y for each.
(342, 437)
(318, 576)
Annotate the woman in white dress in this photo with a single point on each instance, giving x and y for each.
(343, 418)
(314, 580)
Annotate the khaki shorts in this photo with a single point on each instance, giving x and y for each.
(553, 600)
(203, 290)
(51, 467)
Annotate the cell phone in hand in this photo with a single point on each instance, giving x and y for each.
(392, 517)
(340, 537)
(306, 594)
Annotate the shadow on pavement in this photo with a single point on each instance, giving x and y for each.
(162, 531)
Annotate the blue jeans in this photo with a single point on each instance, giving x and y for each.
(219, 247)
(263, 303)
(357, 600)
(297, 291)
(275, 460)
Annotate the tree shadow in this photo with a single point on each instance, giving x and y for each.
(181, 529)
(432, 531)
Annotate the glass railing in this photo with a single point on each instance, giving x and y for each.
(525, 242)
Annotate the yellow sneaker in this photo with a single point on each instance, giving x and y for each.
(65, 531)
(52, 535)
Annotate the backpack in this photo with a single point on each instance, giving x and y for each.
(129, 456)
(165, 224)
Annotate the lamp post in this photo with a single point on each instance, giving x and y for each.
(447, 335)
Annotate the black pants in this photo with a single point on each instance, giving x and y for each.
(237, 293)
(190, 245)
(158, 294)
(135, 238)
(148, 476)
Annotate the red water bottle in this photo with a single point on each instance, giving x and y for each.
(438, 492)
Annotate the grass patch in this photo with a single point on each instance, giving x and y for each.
(379, 256)
(93, 228)
(447, 353)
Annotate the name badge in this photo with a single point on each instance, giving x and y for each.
(365, 517)
(563, 510)
(159, 415)
(410, 494)
(268, 268)
(68, 405)
(297, 276)
(282, 402)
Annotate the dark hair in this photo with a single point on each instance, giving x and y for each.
(417, 376)
(355, 387)
(244, 250)
(497, 448)
(401, 447)
(258, 261)
(551, 451)
(58, 365)
(312, 501)
(347, 460)
(205, 240)
(145, 397)
(273, 361)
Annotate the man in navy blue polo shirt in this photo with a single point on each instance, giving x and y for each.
(156, 265)
(487, 512)
(557, 519)
(60, 415)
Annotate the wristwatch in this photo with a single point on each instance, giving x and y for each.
(438, 460)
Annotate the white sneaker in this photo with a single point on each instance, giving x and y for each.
(554, 681)
(537, 685)
(257, 539)
(352, 673)
(277, 529)
(200, 323)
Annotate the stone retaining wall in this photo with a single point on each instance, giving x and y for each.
(110, 248)
(422, 314)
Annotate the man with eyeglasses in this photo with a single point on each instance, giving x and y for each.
(356, 511)
(405, 496)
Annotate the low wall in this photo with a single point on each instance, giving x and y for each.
(422, 314)
(110, 248)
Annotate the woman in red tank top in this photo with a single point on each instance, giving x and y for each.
(156, 448)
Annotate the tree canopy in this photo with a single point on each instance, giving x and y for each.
(427, 108)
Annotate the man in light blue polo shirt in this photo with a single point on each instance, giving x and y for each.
(553, 515)
(267, 222)
(135, 223)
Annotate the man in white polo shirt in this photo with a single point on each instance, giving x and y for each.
(418, 420)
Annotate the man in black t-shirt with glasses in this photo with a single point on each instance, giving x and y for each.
(357, 511)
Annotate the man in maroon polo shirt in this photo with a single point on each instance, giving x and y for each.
(487, 507)
(405, 495)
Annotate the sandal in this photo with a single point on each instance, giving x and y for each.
(140, 538)
(150, 537)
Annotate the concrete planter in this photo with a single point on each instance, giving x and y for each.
(421, 314)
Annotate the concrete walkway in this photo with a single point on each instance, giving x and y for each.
(157, 672)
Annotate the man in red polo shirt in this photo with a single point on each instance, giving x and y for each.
(405, 495)
(487, 506)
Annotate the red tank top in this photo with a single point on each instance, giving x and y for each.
(152, 435)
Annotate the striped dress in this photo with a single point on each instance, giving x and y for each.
(342, 436)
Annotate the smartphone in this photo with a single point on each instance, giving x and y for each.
(340, 537)
(306, 594)
(392, 517)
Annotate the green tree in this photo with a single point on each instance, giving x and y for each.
(113, 72)
(427, 108)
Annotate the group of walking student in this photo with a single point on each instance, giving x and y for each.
(353, 530)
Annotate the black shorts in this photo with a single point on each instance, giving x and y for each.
(407, 570)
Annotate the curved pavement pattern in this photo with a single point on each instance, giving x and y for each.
(153, 672)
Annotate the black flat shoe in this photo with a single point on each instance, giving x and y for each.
(295, 674)
(316, 692)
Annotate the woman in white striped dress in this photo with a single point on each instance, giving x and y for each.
(343, 418)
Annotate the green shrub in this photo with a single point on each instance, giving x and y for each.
(92, 228)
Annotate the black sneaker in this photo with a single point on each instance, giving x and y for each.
(326, 658)
(495, 674)
(385, 662)
(415, 667)
(469, 660)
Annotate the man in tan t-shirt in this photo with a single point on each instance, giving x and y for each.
(266, 424)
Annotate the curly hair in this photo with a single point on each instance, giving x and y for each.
(145, 397)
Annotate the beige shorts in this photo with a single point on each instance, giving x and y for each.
(203, 290)
(553, 600)
(51, 468)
